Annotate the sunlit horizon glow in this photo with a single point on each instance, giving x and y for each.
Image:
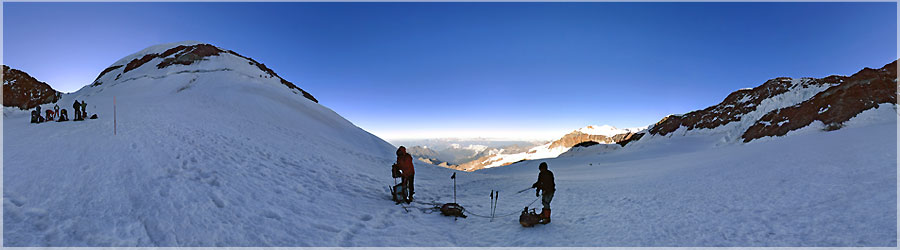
(498, 135)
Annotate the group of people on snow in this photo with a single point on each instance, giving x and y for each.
(545, 186)
(61, 115)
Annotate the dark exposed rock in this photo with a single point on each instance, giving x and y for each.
(133, 64)
(862, 91)
(187, 55)
(734, 106)
(586, 144)
(25, 92)
(576, 137)
(627, 138)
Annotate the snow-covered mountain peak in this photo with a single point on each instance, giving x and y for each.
(187, 127)
(190, 57)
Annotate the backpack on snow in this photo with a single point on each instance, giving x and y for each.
(529, 219)
(452, 209)
(398, 193)
(63, 116)
(94, 116)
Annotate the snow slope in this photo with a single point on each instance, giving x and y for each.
(208, 154)
(206, 157)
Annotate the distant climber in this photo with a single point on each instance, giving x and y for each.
(545, 183)
(34, 116)
(56, 110)
(407, 172)
(49, 116)
(83, 112)
(77, 106)
(63, 116)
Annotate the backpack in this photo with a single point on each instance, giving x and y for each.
(452, 209)
(398, 193)
(528, 219)
(395, 171)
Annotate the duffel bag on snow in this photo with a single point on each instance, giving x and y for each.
(452, 209)
(528, 219)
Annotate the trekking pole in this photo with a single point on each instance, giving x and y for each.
(496, 200)
(492, 205)
(114, 115)
(523, 190)
(454, 187)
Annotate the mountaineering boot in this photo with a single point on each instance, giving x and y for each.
(545, 216)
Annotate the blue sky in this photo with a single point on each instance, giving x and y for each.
(476, 69)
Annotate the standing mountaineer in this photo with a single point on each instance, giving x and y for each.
(407, 172)
(75, 107)
(56, 110)
(545, 183)
(83, 112)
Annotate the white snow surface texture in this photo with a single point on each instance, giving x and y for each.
(212, 154)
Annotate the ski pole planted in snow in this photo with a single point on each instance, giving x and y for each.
(454, 187)
(492, 205)
(114, 115)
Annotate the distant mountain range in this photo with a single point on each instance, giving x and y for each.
(775, 108)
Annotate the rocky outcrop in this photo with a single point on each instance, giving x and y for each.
(848, 97)
(571, 139)
(25, 92)
(842, 98)
(574, 139)
(189, 54)
(585, 144)
(732, 109)
(627, 138)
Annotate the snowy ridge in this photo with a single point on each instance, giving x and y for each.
(781, 105)
(189, 57)
(600, 134)
(799, 90)
(607, 130)
(155, 49)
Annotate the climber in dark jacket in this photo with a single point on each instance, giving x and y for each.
(545, 183)
(83, 112)
(407, 171)
(77, 106)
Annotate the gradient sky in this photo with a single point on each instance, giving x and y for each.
(476, 69)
